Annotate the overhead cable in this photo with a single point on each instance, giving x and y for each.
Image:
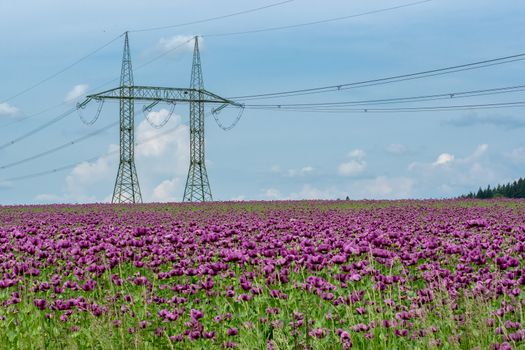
(98, 87)
(38, 129)
(46, 79)
(271, 29)
(386, 80)
(212, 18)
(58, 148)
(73, 165)
(498, 105)
(397, 100)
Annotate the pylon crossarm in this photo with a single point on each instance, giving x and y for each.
(83, 104)
(162, 94)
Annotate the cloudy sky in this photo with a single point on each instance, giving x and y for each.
(269, 154)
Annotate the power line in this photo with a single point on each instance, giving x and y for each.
(38, 129)
(167, 52)
(212, 18)
(99, 86)
(399, 110)
(73, 165)
(116, 38)
(387, 80)
(26, 117)
(70, 111)
(50, 108)
(61, 70)
(391, 110)
(58, 148)
(395, 100)
(271, 29)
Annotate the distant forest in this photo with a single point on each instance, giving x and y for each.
(510, 190)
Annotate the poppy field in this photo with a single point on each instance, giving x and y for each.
(264, 275)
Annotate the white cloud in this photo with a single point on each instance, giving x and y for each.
(239, 198)
(7, 110)
(88, 175)
(272, 193)
(275, 169)
(351, 168)
(48, 198)
(304, 171)
(307, 169)
(164, 155)
(380, 187)
(311, 192)
(357, 153)
(355, 166)
(457, 175)
(155, 147)
(76, 92)
(450, 159)
(396, 148)
(516, 156)
(160, 152)
(480, 151)
(84, 183)
(300, 172)
(443, 159)
(167, 191)
(176, 44)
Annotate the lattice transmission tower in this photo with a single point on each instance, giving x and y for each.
(197, 185)
(127, 188)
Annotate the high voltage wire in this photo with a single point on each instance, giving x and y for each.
(98, 87)
(167, 52)
(70, 111)
(32, 115)
(72, 165)
(211, 18)
(62, 116)
(386, 80)
(385, 110)
(399, 110)
(271, 29)
(39, 83)
(83, 58)
(61, 70)
(50, 108)
(171, 50)
(421, 98)
(419, 75)
(58, 148)
(328, 107)
(40, 128)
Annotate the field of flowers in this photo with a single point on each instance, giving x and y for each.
(263, 275)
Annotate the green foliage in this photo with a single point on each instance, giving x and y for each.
(515, 189)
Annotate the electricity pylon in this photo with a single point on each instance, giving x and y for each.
(127, 188)
(197, 185)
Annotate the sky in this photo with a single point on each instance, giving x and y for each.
(269, 154)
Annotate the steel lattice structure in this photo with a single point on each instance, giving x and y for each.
(127, 188)
(197, 184)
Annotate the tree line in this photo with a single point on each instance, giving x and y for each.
(515, 189)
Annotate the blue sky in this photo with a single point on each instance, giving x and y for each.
(268, 155)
